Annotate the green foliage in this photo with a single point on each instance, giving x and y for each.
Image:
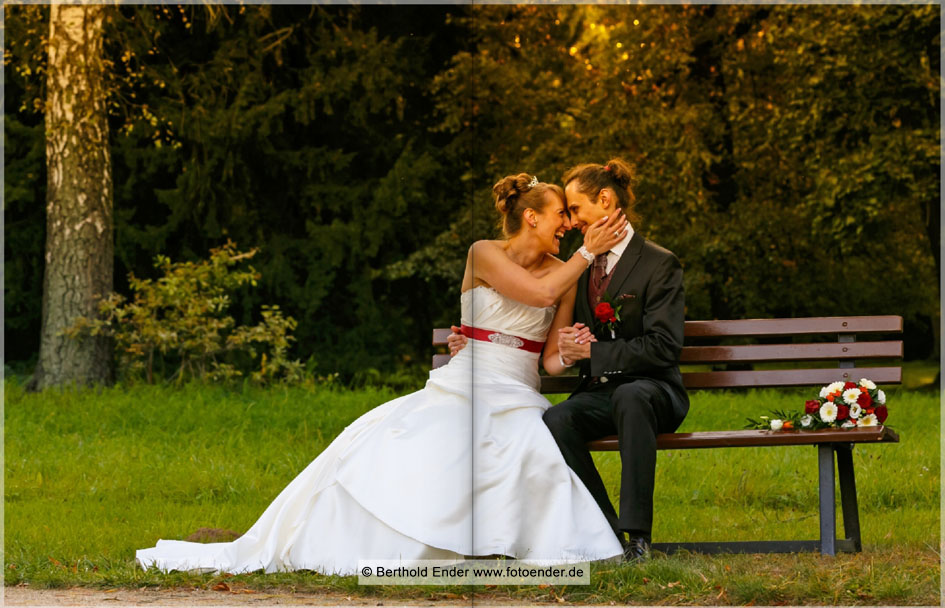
(182, 317)
(779, 149)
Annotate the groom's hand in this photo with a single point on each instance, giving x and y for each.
(456, 341)
(574, 343)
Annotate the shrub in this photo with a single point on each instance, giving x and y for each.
(180, 321)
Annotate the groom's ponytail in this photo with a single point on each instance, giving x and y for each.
(616, 174)
(516, 193)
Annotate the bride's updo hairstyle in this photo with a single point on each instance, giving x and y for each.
(617, 175)
(513, 195)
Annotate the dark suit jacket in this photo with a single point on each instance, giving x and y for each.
(649, 338)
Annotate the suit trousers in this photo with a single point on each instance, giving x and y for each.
(636, 411)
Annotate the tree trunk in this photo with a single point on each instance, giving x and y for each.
(79, 233)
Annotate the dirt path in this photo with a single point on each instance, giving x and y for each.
(112, 598)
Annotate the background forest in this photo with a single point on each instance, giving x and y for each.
(789, 155)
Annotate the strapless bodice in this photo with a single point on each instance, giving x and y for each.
(485, 308)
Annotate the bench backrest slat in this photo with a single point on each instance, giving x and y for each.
(440, 334)
(890, 349)
(793, 327)
(769, 327)
(790, 377)
(755, 378)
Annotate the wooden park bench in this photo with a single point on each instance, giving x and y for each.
(776, 343)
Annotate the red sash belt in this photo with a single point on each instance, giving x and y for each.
(504, 339)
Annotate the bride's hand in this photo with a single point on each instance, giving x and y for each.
(606, 232)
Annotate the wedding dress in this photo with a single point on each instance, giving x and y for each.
(463, 467)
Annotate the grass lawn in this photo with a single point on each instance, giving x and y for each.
(92, 475)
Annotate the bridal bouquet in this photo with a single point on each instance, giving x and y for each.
(844, 405)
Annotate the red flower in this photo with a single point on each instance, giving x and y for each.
(812, 406)
(864, 399)
(881, 414)
(849, 385)
(842, 412)
(605, 313)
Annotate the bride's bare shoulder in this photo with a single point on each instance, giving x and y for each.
(485, 245)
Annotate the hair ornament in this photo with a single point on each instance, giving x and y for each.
(534, 182)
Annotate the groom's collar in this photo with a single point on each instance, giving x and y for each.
(620, 247)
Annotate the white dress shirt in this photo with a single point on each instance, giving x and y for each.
(613, 256)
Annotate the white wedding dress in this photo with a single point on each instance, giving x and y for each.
(463, 467)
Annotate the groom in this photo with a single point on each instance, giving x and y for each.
(630, 382)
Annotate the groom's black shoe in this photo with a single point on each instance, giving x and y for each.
(637, 550)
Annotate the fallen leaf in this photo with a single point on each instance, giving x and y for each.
(674, 584)
(221, 587)
(728, 568)
(645, 580)
(704, 579)
(111, 590)
(543, 586)
(721, 593)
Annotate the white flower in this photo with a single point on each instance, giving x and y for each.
(855, 411)
(881, 398)
(807, 421)
(850, 395)
(776, 424)
(869, 420)
(830, 388)
(867, 384)
(828, 412)
(848, 424)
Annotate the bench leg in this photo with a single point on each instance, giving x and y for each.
(828, 511)
(851, 516)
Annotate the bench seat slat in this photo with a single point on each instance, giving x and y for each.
(757, 438)
(889, 349)
(792, 327)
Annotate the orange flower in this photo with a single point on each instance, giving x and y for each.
(788, 425)
(830, 397)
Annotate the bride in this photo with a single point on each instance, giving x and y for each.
(464, 466)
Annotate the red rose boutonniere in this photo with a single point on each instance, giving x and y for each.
(607, 315)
